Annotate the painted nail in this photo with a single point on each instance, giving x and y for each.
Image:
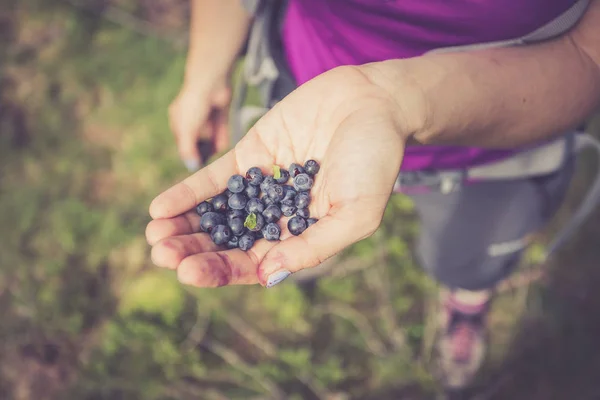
(192, 165)
(277, 277)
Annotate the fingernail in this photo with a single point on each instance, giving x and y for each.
(192, 165)
(277, 277)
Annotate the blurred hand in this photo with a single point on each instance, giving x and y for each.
(342, 120)
(200, 114)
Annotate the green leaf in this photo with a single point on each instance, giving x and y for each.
(276, 172)
(250, 221)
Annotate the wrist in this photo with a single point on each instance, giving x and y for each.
(409, 105)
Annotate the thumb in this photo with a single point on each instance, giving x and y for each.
(322, 240)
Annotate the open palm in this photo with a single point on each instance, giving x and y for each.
(341, 120)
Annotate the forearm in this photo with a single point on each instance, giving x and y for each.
(500, 97)
(217, 32)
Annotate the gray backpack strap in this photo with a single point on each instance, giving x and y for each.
(260, 69)
(251, 5)
(558, 26)
(583, 141)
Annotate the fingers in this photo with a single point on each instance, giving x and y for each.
(317, 243)
(221, 131)
(229, 267)
(204, 184)
(199, 262)
(186, 120)
(171, 251)
(188, 150)
(184, 224)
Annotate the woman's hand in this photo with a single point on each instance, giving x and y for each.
(200, 113)
(342, 119)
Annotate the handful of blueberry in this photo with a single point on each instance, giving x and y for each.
(252, 206)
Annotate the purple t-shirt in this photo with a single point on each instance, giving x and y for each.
(319, 35)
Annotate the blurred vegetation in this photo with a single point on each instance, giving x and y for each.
(84, 147)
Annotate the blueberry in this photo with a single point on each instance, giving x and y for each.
(290, 193)
(228, 193)
(204, 207)
(311, 167)
(296, 225)
(252, 191)
(236, 184)
(260, 223)
(237, 201)
(246, 241)
(236, 225)
(276, 192)
(302, 200)
(288, 208)
(220, 234)
(258, 234)
(271, 232)
(233, 242)
(219, 202)
(211, 219)
(268, 181)
(310, 221)
(284, 175)
(272, 213)
(255, 206)
(235, 213)
(303, 212)
(295, 170)
(303, 182)
(254, 176)
(267, 201)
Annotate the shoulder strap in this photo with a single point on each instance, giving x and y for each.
(558, 26)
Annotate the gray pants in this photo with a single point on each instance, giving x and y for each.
(474, 237)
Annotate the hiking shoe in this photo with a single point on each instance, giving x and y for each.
(462, 341)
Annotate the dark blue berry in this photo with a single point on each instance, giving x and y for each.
(302, 200)
(246, 241)
(236, 184)
(235, 213)
(219, 202)
(303, 182)
(267, 181)
(276, 192)
(237, 226)
(311, 167)
(254, 176)
(228, 193)
(272, 213)
(310, 221)
(204, 207)
(303, 212)
(258, 235)
(271, 232)
(260, 223)
(220, 234)
(237, 201)
(284, 175)
(252, 191)
(296, 225)
(295, 170)
(255, 206)
(288, 208)
(233, 242)
(267, 201)
(211, 219)
(290, 193)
